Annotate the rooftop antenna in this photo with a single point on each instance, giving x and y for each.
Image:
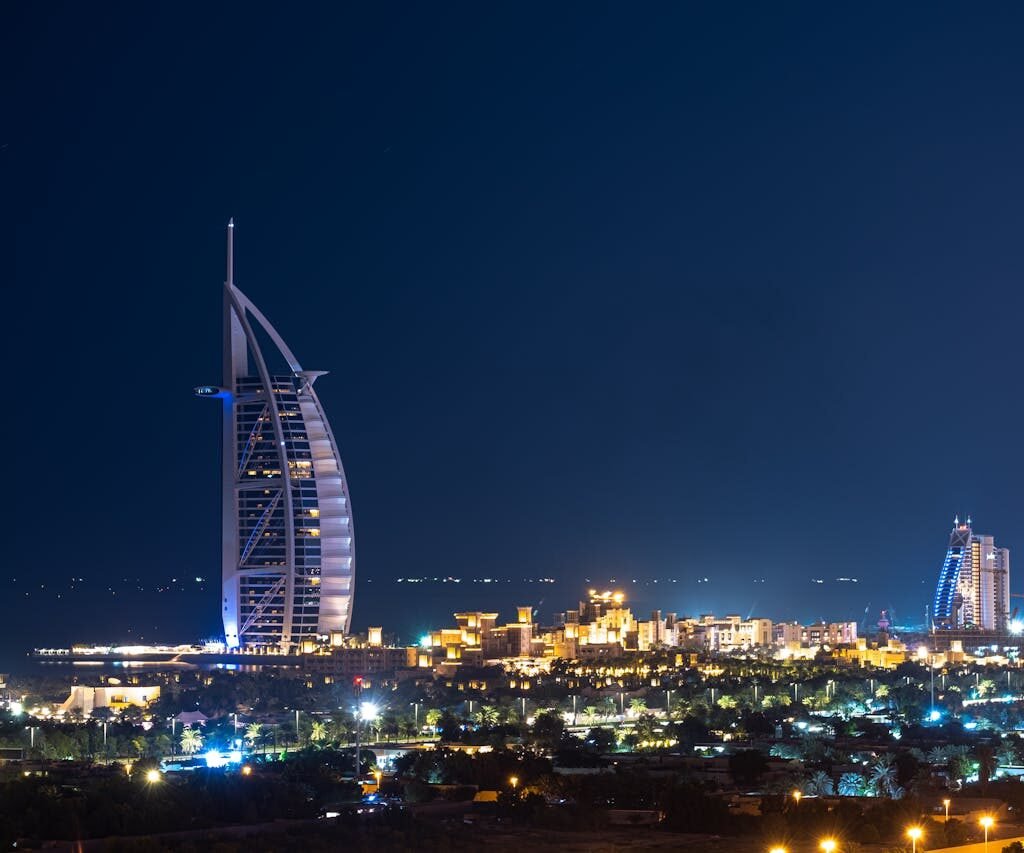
(231, 252)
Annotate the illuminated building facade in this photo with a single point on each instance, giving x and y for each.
(288, 562)
(974, 584)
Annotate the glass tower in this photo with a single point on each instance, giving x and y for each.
(952, 609)
(973, 591)
(288, 562)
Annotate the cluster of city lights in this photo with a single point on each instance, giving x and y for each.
(914, 833)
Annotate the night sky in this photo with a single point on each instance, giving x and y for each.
(656, 291)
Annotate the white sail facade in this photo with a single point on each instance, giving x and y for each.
(288, 560)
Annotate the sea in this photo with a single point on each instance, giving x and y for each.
(186, 610)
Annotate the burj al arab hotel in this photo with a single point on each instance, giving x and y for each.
(287, 552)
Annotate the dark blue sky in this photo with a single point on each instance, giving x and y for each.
(669, 291)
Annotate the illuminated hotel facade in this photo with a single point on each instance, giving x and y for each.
(287, 551)
(974, 583)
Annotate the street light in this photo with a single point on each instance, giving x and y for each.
(152, 776)
(778, 850)
(513, 781)
(796, 796)
(946, 804)
(828, 845)
(986, 822)
(376, 775)
(914, 833)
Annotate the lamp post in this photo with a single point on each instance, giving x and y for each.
(513, 781)
(986, 823)
(357, 690)
(828, 845)
(914, 833)
(931, 672)
(298, 740)
(778, 850)
(797, 795)
(366, 712)
(945, 803)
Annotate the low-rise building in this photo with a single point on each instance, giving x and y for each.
(85, 700)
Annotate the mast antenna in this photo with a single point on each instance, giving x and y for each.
(231, 252)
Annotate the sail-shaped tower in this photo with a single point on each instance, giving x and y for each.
(288, 559)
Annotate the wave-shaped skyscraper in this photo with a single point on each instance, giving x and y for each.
(973, 591)
(288, 559)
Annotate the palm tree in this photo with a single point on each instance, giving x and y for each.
(938, 755)
(487, 716)
(637, 706)
(644, 728)
(821, 784)
(851, 785)
(1007, 755)
(318, 732)
(590, 713)
(882, 781)
(960, 767)
(191, 740)
(253, 732)
(987, 764)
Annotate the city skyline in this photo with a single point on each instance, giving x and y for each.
(652, 296)
(629, 340)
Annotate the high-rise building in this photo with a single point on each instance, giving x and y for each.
(974, 584)
(288, 561)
